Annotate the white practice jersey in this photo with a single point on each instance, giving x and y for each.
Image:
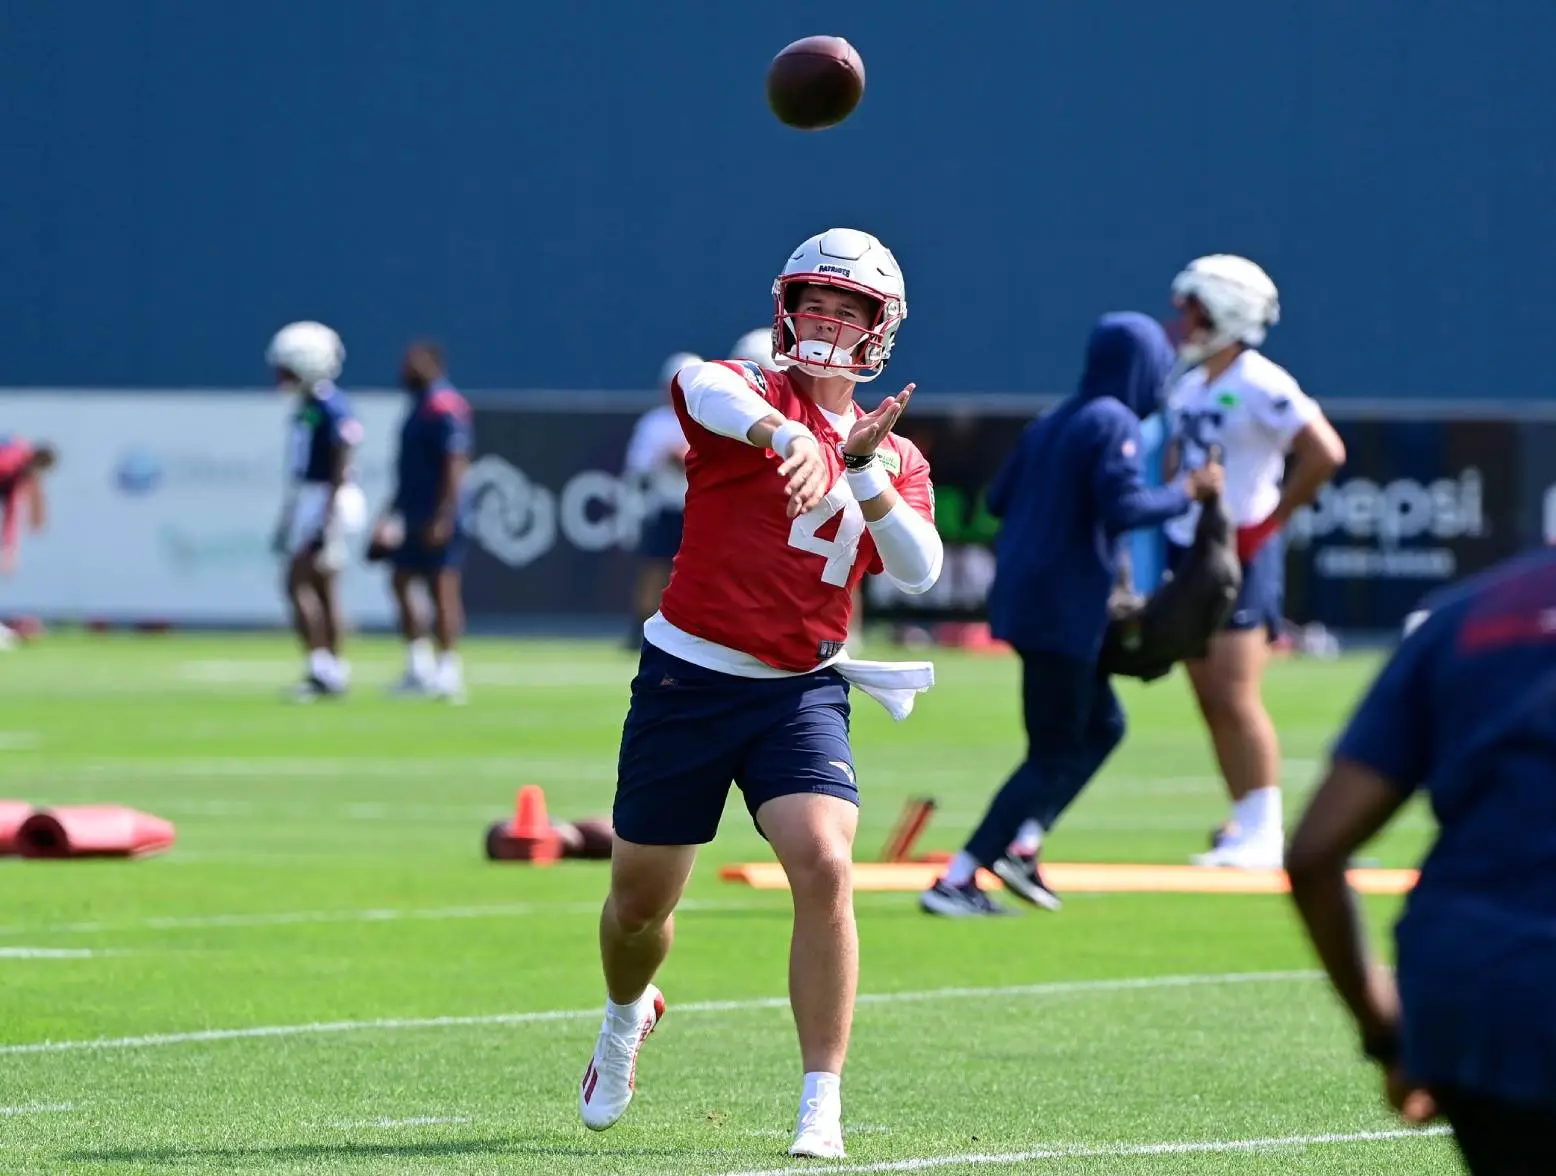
(654, 454)
(1253, 410)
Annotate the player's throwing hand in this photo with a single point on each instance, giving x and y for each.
(807, 474)
(871, 429)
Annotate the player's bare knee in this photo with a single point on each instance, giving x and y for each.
(821, 871)
(646, 883)
(639, 912)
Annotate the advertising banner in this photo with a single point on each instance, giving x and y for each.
(1418, 504)
(1537, 491)
(164, 506)
(554, 523)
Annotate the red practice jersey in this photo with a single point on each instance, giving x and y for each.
(750, 578)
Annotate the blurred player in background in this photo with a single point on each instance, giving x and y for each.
(421, 534)
(23, 465)
(656, 455)
(793, 493)
(1232, 395)
(1465, 712)
(756, 346)
(1070, 491)
(323, 507)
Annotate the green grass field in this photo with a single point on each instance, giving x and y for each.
(325, 975)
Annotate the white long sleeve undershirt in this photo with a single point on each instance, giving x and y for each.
(719, 399)
(910, 546)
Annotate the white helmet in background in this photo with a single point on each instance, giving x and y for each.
(310, 351)
(755, 347)
(845, 259)
(674, 364)
(1237, 295)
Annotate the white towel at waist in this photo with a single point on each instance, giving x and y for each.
(895, 685)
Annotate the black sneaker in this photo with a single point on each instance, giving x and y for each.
(958, 901)
(1024, 878)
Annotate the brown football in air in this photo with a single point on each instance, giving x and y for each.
(815, 82)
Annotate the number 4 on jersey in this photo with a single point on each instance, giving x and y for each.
(843, 548)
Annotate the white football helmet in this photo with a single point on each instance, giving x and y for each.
(755, 347)
(848, 260)
(310, 351)
(674, 364)
(1237, 295)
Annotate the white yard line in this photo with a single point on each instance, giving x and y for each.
(391, 1024)
(1105, 1151)
(533, 674)
(388, 1124)
(368, 915)
(38, 1109)
(47, 953)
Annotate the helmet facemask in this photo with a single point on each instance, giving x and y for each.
(858, 349)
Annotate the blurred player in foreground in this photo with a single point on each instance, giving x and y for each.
(1071, 489)
(656, 455)
(793, 493)
(421, 533)
(324, 507)
(1465, 711)
(22, 468)
(1233, 396)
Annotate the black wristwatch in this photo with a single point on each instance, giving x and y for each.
(857, 461)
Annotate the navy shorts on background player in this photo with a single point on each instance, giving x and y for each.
(661, 537)
(415, 556)
(690, 732)
(1262, 601)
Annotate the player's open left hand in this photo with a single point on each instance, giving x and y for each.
(871, 429)
(806, 472)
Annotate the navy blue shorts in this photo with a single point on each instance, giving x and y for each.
(691, 732)
(415, 556)
(661, 535)
(1262, 601)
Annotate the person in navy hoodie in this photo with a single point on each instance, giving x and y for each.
(1072, 487)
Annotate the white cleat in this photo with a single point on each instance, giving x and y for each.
(411, 686)
(820, 1132)
(1260, 851)
(452, 693)
(611, 1078)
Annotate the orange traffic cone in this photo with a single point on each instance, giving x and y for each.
(529, 837)
(73, 831)
(12, 814)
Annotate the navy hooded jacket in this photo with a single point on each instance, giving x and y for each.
(1072, 486)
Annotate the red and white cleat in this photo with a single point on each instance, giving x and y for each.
(611, 1078)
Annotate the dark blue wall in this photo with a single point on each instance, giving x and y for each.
(565, 193)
